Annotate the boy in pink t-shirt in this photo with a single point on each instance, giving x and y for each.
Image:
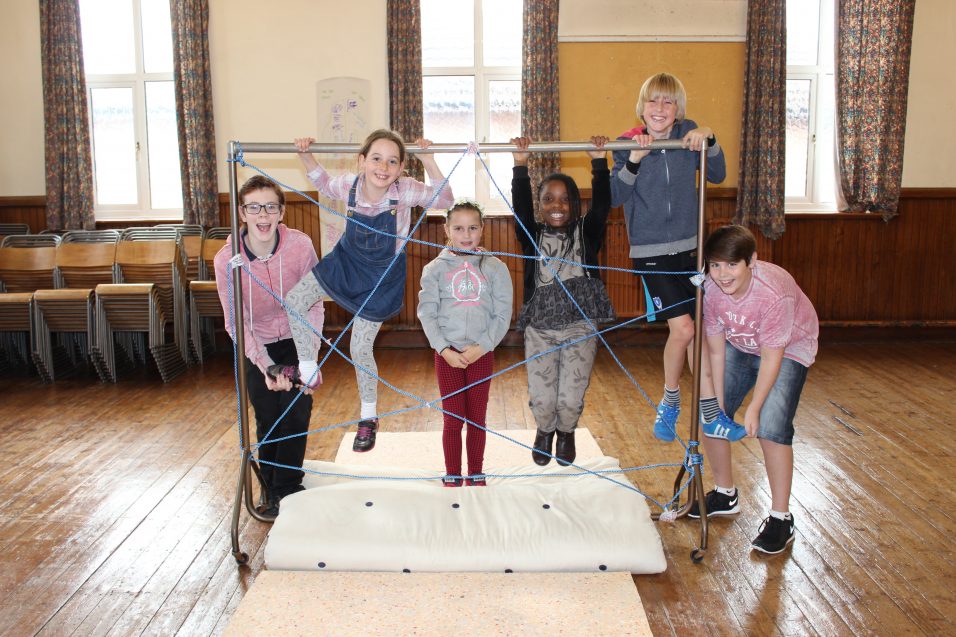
(762, 335)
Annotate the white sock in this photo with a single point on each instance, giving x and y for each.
(780, 515)
(725, 491)
(307, 370)
(368, 410)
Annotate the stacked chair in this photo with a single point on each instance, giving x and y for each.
(146, 299)
(63, 318)
(191, 237)
(27, 263)
(7, 229)
(204, 305)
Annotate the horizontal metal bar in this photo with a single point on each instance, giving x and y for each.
(536, 147)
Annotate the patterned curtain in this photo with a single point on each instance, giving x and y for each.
(873, 62)
(404, 28)
(194, 115)
(760, 190)
(69, 161)
(539, 83)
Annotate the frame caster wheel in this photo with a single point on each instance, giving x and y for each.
(241, 558)
(697, 555)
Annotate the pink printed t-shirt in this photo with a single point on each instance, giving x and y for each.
(774, 312)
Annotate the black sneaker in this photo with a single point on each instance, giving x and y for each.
(365, 437)
(717, 504)
(774, 535)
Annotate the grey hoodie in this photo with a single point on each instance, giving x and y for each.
(461, 304)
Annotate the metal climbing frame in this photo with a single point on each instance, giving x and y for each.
(244, 485)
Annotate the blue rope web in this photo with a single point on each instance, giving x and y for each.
(691, 463)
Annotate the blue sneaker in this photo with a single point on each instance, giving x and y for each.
(665, 424)
(724, 428)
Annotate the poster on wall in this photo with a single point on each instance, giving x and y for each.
(342, 119)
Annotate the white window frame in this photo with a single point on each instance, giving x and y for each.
(483, 77)
(820, 157)
(142, 209)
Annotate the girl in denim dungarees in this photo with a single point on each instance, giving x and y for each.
(379, 201)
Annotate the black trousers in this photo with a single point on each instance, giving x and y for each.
(268, 406)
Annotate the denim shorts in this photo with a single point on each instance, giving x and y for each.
(776, 415)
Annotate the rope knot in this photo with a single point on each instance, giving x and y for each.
(472, 148)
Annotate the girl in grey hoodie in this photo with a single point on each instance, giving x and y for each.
(465, 309)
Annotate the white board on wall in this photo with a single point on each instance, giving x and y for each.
(645, 20)
(343, 113)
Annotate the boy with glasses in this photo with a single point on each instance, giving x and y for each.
(278, 257)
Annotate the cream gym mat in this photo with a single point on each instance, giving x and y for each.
(439, 604)
(514, 525)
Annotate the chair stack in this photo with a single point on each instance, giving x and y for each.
(63, 318)
(27, 263)
(7, 229)
(147, 296)
(204, 304)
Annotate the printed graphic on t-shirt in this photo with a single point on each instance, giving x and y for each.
(740, 332)
(466, 284)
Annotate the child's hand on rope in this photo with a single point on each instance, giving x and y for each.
(521, 155)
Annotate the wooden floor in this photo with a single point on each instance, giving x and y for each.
(117, 498)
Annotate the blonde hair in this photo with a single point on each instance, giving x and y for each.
(662, 85)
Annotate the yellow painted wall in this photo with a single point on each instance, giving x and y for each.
(22, 171)
(599, 83)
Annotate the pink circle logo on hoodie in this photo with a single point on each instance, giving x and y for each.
(466, 285)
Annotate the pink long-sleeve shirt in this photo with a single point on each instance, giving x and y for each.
(265, 320)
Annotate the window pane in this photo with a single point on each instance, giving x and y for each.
(164, 178)
(504, 122)
(449, 117)
(107, 32)
(501, 32)
(114, 145)
(448, 33)
(157, 37)
(803, 28)
(798, 137)
(825, 148)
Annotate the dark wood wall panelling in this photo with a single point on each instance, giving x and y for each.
(855, 268)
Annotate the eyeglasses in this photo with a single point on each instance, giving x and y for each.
(256, 208)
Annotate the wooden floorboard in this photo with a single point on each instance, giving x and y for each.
(117, 499)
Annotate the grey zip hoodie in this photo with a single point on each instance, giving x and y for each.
(461, 304)
(660, 200)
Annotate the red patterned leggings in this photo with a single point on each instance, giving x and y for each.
(471, 404)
